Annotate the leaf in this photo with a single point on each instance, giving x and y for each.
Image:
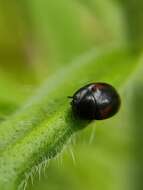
(40, 129)
(113, 160)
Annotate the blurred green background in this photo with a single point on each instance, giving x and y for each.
(37, 38)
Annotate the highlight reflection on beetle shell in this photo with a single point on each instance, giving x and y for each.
(96, 101)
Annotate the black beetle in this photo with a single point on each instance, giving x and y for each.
(95, 101)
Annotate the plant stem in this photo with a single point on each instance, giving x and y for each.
(44, 125)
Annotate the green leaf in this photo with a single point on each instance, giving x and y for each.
(40, 129)
(113, 159)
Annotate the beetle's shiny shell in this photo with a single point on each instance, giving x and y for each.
(96, 101)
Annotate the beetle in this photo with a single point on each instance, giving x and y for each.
(95, 101)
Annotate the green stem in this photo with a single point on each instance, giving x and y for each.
(43, 126)
(43, 143)
(133, 10)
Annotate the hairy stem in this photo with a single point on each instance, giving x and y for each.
(41, 128)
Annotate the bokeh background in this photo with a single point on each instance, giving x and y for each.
(37, 38)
